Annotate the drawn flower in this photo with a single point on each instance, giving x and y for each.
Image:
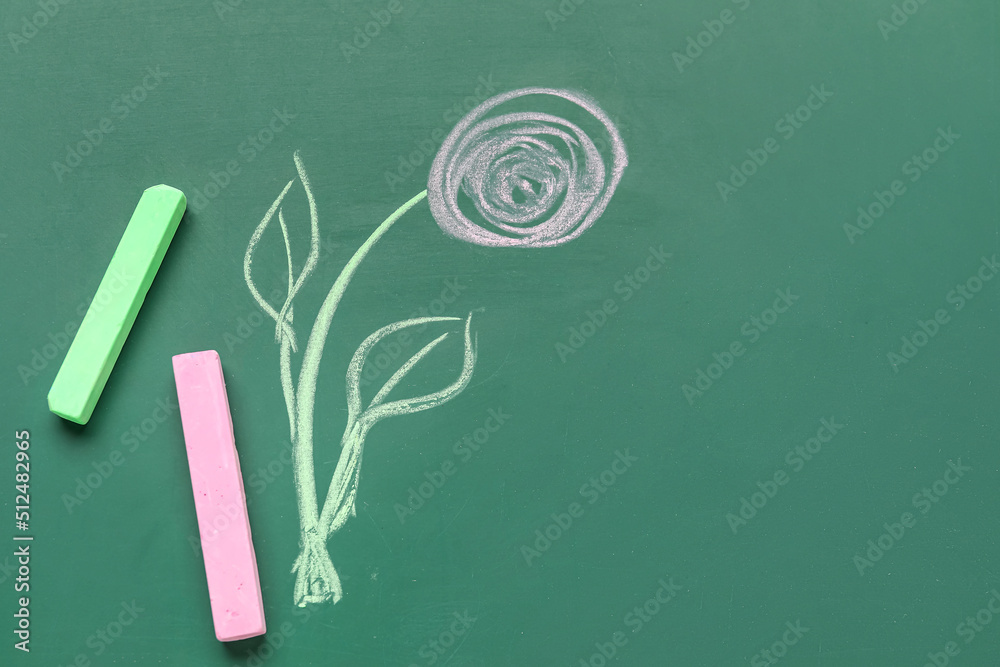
(316, 578)
(535, 179)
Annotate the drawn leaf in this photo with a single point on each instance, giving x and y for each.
(248, 264)
(283, 319)
(340, 499)
(313, 258)
(404, 369)
(376, 412)
(354, 409)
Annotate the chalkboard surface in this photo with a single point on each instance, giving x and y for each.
(737, 404)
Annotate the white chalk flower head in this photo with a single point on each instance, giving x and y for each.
(535, 180)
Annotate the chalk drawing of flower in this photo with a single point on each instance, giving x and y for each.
(531, 180)
(535, 180)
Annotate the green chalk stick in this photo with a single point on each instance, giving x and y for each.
(102, 333)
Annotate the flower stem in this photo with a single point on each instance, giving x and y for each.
(312, 533)
(339, 503)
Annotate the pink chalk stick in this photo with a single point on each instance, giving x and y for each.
(226, 543)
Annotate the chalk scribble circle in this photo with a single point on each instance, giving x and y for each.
(535, 179)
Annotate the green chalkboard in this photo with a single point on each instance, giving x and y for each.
(717, 384)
